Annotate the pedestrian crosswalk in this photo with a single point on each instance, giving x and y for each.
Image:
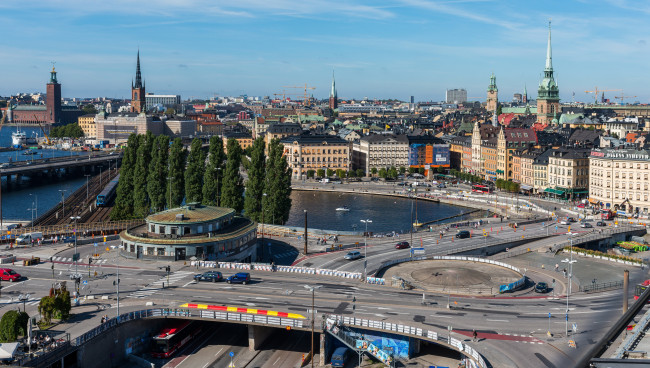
(17, 301)
(69, 260)
(291, 253)
(146, 291)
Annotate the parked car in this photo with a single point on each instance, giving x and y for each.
(462, 234)
(442, 186)
(352, 255)
(586, 225)
(565, 222)
(213, 276)
(7, 274)
(340, 357)
(601, 223)
(541, 287)
(402, 245)
(571, 219)
(239, 278)
(581, 205)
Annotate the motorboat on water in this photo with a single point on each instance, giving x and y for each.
(18, 139)
(343, 209)
(30, 152)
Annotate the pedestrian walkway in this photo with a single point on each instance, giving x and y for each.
(69, 260)
(174, 278)
(19, 302)
(289, 254)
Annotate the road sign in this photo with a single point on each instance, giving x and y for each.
(95, 244)
(417, 251)
(85, 282)
(549, 314)
(566, 316)
(232, 354)
(575, 327)
(315, 311)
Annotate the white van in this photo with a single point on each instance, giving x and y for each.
(29, 237)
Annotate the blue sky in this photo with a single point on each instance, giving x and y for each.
(379, 49)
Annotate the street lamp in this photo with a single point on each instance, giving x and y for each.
(76, 255)
(313, 316)
(36, 204)
(570, 261)
(23, 298)
(365, 250)
(63, 201)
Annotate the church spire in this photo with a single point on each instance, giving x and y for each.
(549, 57)
(333, 92)
(138, 76)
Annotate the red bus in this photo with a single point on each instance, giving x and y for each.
(173, 338)
(481, 188)
(640, 288)
(606, 214)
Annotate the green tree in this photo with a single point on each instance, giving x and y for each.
(340, 173)
(123, 208)
(141, 203)
(256, 180)
(157, 179)
(233, 188)
(413, 170)
(12, 325)
(402, 170)
(89, 109)
(373, 171)
(62, 303)
(330, 172)
(170, 111)
(383, 173)
(213, 178)
(320, 173)
(277, 202)
(360, 173)
(421, 170)
(311, 173)
(177, 157)
(392, 172)
(194, 173)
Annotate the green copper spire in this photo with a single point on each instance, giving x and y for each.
(548, 88)
(333, 92)
(53, 77)
(549, 56)
(493, 84)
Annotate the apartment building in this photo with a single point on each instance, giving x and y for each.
(313, 152)
(568, 172)
(380, 151)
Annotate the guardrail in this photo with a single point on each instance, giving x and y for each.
(601, 287)
(605, 234)
(107, 227)
(272, 268)
(476, 360)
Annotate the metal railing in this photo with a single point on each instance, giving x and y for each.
(603, 286)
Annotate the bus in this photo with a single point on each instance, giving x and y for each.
(606, 215)
(172, 338)
(481, 188)
(640, 288)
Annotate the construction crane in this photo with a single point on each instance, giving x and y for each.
(49, 143)
(596, 91)
(283, 94)
(623, 97)
(306, 95)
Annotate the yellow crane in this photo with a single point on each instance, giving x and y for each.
(305, 87)
(623, 97)
(596, 91)
(284, 95)
(49, 143)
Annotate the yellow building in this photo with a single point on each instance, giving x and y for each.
(88, 125)
(245, 140)
(314, 152)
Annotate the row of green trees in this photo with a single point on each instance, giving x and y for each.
(507, 185)
(156, 175)
(72, 130)
(466, 176)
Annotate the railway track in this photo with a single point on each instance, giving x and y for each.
(80, 203)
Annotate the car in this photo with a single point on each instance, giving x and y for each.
(462, 234)
(402, 245)
(239, 278)
(586, 225)
(581, 205)
(7, 274)
(565, 222)
(442, 186)
(571, 219)
(352, 255)
(541, 287)
(213, 276)
(601, 223)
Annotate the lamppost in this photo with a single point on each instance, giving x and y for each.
(570, 261)
(313, 317)
(23, 298)
(87, 176)
(76, 255)
(35, 204)
(63, 201)
(365, 250)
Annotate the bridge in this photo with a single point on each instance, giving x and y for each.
(51, 165)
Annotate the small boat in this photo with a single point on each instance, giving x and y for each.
(30, 152)
(343, 209)
(18, 139)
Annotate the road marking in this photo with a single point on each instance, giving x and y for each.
(261, 298)
(189, 283)
(497, 320)
(439, 316)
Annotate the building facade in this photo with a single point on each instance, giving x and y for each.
(313, 152)
(117, 128)
(568, 172)
(244, 139)
(456, 96)
(618, 180)
(87, 124)
(205, 232)
(166, 101)
(281, 130)
(379, 151)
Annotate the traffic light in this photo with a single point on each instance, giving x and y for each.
(90, 260)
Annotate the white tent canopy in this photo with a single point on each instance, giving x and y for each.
(7, 350)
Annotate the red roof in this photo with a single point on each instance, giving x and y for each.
(631, 137)
(506, 118)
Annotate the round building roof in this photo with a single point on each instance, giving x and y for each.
(190, 214)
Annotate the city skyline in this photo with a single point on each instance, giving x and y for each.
(390, 49)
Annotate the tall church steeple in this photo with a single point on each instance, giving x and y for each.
(333, 103)
(492, 94)
(138, 103)
(548, 94)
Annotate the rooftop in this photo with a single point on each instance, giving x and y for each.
(191, 214)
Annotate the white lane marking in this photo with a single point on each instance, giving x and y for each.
(189, 283)
(497, 320)
(261, 298)
(439, 316)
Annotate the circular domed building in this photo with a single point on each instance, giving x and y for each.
(205, 232)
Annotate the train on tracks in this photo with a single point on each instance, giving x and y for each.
(106, 196)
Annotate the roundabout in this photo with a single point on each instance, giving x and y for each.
(464, 277)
